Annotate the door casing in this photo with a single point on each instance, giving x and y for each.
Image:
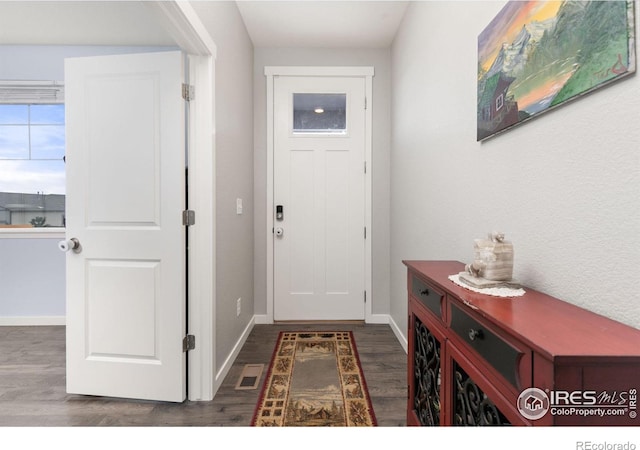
(182, 22)
(367, 74)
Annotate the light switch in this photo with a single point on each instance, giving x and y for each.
(238, 206)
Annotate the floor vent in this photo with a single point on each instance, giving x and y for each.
(250, 376)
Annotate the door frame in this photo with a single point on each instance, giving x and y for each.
(182, 22)
(366, 73)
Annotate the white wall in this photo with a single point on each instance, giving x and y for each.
(380, 60)
(564, 187)
(234, 171)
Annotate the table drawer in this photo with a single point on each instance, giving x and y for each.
(428, 296)
(500, 355)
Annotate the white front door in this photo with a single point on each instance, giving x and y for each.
(319, 198)
(125, 196)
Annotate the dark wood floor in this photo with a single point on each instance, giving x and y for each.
(32, 383)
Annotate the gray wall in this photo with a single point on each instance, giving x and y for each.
(234, 171)
(380, 60)
(564, 187)
(32, 279)
(46, 62)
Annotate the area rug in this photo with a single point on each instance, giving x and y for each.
(314, 379)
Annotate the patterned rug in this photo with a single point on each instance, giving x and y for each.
(314, 379)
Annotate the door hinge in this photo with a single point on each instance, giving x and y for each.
(188, 343)
(188, 218)
(365, 296)
(365, 103)
(188, 92)
(365, 232)
(365, 167)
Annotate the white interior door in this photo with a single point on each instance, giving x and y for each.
(125, 196)
(319, 193)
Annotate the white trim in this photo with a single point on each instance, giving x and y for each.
(319, 71)
(32, 233)
(30, 321)
(368, 192)
(202, 282)
(269, 205)
(379, 318)
(398, 332)
(182, 22)
(228, 363)
(262, 319)
(329, 71)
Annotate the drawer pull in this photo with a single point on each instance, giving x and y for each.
(475, 334)
(427, 296)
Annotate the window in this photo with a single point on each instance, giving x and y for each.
(32, 168)
(499, 102)
(319, 113)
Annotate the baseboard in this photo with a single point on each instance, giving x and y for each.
(374, 318)
(262, 319)
(228, 363)
(378, 319)
(28, 321)
(401, 337)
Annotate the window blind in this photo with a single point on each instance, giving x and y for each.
(31, 92)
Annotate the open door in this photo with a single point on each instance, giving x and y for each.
(126, 288)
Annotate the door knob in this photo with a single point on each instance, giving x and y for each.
(279, 231)
(70, 244)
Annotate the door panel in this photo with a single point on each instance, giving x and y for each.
(125, 196)
(319, 180)
(134, 162)
(111, 300)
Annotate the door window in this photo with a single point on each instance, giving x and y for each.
(320, 113)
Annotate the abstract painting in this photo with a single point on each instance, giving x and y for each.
(537, 55)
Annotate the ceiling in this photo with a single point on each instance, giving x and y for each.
(301, 23)
(328, 24)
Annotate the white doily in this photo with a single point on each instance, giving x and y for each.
(495, 291)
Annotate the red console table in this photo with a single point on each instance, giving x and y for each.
(533, 360)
